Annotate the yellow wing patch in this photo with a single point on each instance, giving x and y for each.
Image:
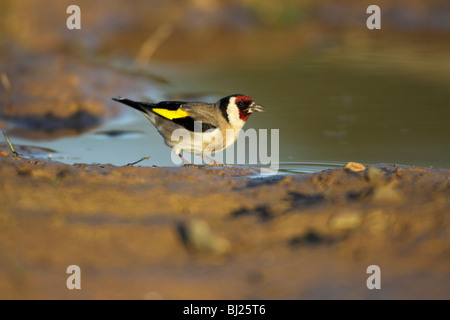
(171, 114)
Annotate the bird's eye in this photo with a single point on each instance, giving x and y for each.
(240, 104)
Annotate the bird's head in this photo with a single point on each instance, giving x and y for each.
(237, 108)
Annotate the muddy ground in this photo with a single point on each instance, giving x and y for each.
(182, 232)
(215, 233)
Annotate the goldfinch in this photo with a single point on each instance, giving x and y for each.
(208, 124)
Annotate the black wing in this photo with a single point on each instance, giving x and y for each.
(186, 122)
(189, 124)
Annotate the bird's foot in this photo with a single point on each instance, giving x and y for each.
(218, 164)
(191, 165)
(213, 163)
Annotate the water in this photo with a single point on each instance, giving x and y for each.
(329, 112)
(330, 108)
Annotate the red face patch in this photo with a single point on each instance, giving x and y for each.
(243, 115)
(242, 103)
(243, 98)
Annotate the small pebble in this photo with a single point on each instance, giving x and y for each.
(354, 167)
(387, 193)
(373, 174)
(197, 235)
(345, 220)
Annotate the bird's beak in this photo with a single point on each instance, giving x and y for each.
(255, 108)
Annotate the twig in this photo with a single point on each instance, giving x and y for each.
(136, 162)
(10, 145)
(152, 43)
(5, 81)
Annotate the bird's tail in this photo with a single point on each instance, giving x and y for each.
(141, 106)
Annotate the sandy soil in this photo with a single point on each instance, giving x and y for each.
(190, 233)
(216, 233)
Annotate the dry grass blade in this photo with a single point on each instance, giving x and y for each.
(10, 145)
(136, 162)
(5, 81)
(152, 43)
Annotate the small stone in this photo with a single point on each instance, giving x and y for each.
(354, 167)
(197, 236)
(345, 221)
(387, 193)
(373, 174)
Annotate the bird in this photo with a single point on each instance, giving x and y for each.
(207, 124)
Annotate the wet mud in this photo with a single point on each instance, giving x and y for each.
(219, 233)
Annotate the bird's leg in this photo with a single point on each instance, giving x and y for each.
(212, 162)
(186, 163)
(183, 159)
